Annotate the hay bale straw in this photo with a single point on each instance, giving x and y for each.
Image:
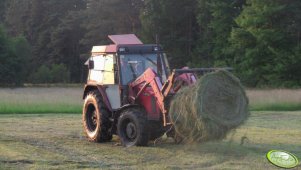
(209, 109)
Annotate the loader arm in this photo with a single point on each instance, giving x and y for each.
(149, 78)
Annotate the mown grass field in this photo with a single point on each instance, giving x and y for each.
(56, 141)
(69, 100)
(40, 128)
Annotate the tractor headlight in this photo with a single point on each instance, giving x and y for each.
(122, 49)
(156, 48)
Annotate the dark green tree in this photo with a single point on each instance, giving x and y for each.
(42, 75)
(14, 54)
(65, 44)
(17, 17)
(45, 18)
(266, 45)
(22, 50)
(216, 19)
(59, 73)
(107, 17)
(2, 10)
(173, 24)
(39, 21)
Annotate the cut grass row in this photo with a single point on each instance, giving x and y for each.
(69, 100)
(56, 141)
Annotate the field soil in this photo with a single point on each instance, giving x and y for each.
(56, 141)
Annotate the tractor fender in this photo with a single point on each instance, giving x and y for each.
(102, 91)
(126, 107)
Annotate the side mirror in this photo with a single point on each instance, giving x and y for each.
(91, 64)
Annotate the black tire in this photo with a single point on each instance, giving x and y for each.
(156, 130)
(132, 128)
(96, 118)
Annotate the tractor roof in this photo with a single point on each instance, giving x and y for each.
(125, 39)
(128, 39)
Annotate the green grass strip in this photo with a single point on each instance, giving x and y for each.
(20, 109)
(69, 108)
(276, 107)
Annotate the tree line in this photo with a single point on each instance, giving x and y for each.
(44, 41)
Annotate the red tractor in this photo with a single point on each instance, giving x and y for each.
(128, 91)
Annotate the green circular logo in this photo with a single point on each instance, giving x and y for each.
(282, 159)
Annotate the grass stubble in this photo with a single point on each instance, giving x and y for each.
(56, 141)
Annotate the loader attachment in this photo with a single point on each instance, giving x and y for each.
(200, 70)
(178, 78)
(185, 76)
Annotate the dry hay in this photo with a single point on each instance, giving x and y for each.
(208, 110)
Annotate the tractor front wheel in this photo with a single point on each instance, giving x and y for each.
(132, 128)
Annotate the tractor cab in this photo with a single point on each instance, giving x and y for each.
(134, 60)
(113, 67)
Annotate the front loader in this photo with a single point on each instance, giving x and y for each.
(128, 91)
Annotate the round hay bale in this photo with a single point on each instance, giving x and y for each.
(209, 109)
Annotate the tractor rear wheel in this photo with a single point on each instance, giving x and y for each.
(132, 128)
(96, 118)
